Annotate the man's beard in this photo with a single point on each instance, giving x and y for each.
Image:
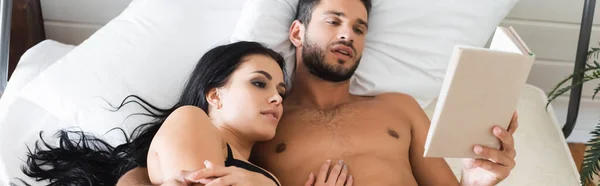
(314, 60)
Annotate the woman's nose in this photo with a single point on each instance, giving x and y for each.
(276, 99)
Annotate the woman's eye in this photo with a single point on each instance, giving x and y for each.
(259, 84)
(333, 22)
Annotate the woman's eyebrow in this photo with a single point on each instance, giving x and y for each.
(264, 73)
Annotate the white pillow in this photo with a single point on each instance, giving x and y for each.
(148, 50)
(408, 45)
(33, 62)
(20, 120)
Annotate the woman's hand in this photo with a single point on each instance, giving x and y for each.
(216, 175)
(338, 176)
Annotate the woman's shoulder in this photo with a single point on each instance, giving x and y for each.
(190, 119)
(193, 115)
(188, 111)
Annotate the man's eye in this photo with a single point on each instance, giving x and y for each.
(359, 31)
(333, 22)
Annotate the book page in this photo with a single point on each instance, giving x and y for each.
(503, 41)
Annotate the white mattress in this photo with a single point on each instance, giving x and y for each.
(543, 157)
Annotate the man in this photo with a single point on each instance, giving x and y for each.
(380, 139)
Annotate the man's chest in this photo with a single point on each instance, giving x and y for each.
(341, 132)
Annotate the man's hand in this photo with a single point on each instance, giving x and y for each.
(497, 163)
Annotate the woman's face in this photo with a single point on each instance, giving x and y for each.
(251, 99)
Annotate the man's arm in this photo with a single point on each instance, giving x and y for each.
(427, 171)
(136, 176)
(139, 177)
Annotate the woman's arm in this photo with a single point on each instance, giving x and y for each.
(185, 140)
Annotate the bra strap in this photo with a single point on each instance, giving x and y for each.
(229, 153)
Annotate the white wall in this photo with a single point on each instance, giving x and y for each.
(551, 30)
(72, 21)
(549, 27)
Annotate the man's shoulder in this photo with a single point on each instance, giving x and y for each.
(396, 100)
(395, 96)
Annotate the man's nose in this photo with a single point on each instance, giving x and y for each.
(346, 34)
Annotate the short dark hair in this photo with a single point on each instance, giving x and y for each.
(306, 8)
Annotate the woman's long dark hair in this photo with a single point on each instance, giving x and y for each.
(87, 160)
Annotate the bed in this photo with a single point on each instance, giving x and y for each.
(543, 156)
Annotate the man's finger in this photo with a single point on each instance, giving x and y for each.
(323, 172)
(496, 169)
(494, 155)
(514, 123)
(506, 140)
(504, 136)
(335, 172)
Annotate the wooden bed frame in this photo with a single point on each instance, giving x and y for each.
(26, 31)
(24, 18)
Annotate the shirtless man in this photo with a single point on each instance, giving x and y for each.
(380, 139)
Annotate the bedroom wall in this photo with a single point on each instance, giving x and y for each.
(72, 21)
(550, 29)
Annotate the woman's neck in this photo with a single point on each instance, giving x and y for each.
(237, 142)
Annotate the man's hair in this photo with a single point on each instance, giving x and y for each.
(306, 8)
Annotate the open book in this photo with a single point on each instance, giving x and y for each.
(481, 89)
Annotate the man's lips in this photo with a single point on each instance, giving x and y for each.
(344, 50)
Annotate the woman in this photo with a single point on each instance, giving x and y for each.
(232, 100)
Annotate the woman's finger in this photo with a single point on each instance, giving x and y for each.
(223, 181)
(335, 172)
(323, 172)
(350, 181)
(343, 175)
(210, 172)
(311, 180)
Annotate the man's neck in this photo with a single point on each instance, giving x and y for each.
(309, 90)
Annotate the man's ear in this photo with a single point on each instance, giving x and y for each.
(213, 98)
(296, 33)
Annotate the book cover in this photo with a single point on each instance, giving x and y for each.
(481, 89)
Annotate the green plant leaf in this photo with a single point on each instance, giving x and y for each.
(591, 166)
(557, 91)
(596, 90)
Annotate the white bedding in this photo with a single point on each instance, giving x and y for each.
(20, 120)
(543, 157)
